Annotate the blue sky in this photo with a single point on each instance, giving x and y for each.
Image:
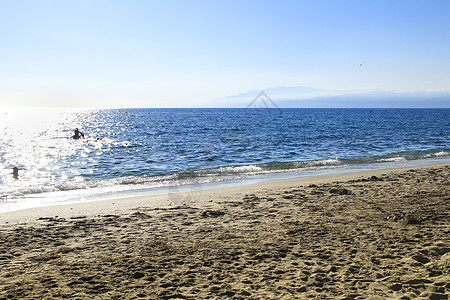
(97, 53)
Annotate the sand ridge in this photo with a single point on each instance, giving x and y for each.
(374, 237)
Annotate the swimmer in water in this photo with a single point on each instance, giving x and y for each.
(77, 134)
(16, 172)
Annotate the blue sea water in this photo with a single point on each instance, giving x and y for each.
(144, 149)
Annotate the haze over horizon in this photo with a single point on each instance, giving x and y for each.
(187, 54)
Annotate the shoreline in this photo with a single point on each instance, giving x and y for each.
(116, 190)
(163, 199)
(380, 234)
(48, 199)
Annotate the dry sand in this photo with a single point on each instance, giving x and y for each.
(372, 235)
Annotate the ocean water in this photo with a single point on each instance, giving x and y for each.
(145, 149)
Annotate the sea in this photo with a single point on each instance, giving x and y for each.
(143, 151)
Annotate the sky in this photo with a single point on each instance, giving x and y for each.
(144, 53)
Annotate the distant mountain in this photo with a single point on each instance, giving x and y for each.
(285, 92)
(307, 97)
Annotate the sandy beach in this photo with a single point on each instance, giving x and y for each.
(368, 235)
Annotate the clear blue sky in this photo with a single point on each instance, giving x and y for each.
(133, 53)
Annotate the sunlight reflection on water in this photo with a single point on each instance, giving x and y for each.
(38, 142)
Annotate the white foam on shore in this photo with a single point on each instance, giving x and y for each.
(392, 159)
(240, 169)
(438, 154)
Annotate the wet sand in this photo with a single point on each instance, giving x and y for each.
(370, 235)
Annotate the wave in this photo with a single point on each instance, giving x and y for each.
(271, 167)
(392, 159)
(438, 154)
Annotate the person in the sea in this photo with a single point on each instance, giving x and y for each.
(15, 172)
(77, 134)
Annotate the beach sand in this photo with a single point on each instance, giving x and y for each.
(368, 235)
